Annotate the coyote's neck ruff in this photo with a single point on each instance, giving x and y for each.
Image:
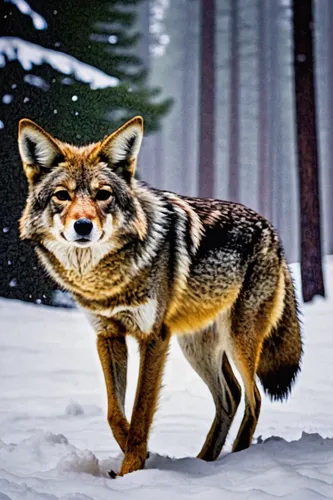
(150, 263)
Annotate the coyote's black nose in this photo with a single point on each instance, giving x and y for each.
(83, 227)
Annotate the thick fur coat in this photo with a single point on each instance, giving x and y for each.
(150, 264)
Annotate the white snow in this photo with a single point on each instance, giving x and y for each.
(29, 54)
(55, 443)
(23, 6)
(63, 299)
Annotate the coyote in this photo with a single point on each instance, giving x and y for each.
(151, 263)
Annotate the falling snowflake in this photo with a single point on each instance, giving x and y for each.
(36, 81)
(7, 99)
(160, 39)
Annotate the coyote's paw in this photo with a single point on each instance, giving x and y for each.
(132, 463)
(114, 475)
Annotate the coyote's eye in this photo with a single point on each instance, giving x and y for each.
(103, 195)
(62, 195)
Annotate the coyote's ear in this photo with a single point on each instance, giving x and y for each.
(39, 151)
(120, 149)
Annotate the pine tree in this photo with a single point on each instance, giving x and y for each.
(60, 99)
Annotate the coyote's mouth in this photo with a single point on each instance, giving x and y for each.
(81, 242)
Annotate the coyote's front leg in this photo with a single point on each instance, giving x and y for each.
(112, 351)
(153, 352)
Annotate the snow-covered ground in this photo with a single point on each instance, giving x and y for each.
(55, 442)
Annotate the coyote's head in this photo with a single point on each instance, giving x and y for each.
(80, 196)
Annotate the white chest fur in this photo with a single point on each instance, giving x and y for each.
(143, 316)
(80, 260)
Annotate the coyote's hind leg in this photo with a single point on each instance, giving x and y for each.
(206, 356)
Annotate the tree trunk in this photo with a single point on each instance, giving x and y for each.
(308, 165)
(189, 115)
(146, 164)
(158, 158)
(264, 170)
(330, 120)
(276, 119)
(234, 88)
(207, 99)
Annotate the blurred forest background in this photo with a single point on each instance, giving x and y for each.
(215, 83)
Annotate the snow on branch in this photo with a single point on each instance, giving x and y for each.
(29, 54)
(23, 6)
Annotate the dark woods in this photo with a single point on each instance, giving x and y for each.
(236, 97)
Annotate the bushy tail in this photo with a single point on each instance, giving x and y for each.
(282, 350)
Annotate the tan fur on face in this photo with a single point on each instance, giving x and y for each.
(81, 207)
(89, 160)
